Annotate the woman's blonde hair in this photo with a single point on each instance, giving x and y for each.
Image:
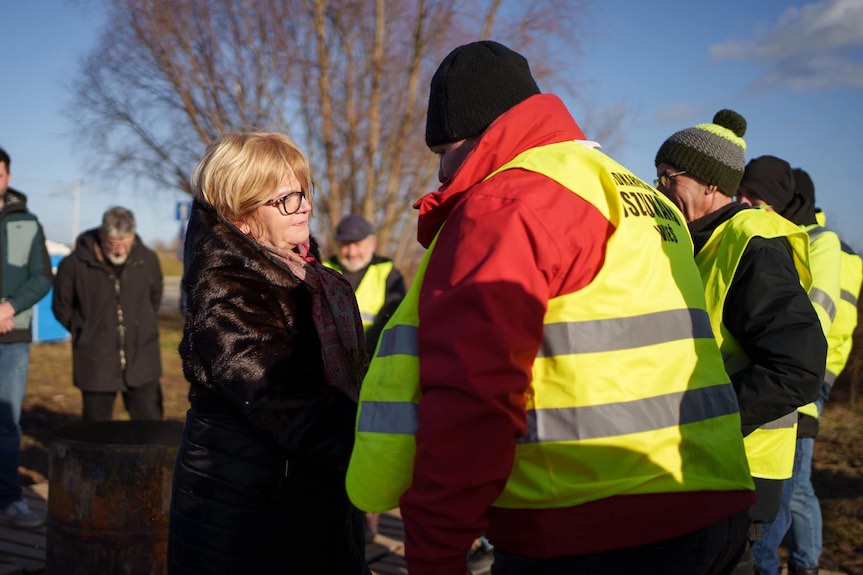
(240, 171)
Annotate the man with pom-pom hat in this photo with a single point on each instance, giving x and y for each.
(755, 269)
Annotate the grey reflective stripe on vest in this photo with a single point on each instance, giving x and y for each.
(586, 336)
(611, 419)
(820, 297)
(388, 417)
(815, 232)
(830, 378)
(578, 423)
(624, 333)
(399, 340)
(849, 297)
(784, 422)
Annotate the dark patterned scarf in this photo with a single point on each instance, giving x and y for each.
(336, 318)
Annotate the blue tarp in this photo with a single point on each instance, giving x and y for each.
(46, 328)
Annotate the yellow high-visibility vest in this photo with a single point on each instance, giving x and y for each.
(770, 448)
(371, 293)
(825, 260)
(628, 395)
(840, 339)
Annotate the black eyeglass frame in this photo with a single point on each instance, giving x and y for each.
(281, 202)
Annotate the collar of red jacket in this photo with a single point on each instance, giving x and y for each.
(540, 120)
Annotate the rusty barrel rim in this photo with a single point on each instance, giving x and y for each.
(108, 505)
(165, 432)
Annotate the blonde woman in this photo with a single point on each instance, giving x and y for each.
(273, 349)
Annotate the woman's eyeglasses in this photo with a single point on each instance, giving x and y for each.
(664, 179)
(290, 203)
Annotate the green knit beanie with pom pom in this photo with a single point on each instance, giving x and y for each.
(713, 153)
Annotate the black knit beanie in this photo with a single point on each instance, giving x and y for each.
(473, 86)
(771, 179)
(804, 185)
(713, 153)
(801, 210)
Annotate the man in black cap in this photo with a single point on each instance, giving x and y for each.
(529, 387)
(378, 285)
(769, 182)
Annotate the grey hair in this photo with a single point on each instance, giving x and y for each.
(118, 222)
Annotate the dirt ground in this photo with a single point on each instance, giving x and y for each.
(51, 401)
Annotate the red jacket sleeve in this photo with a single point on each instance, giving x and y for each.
(497, 262)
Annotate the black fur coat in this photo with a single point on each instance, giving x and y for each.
(259, 485)
(250, 343)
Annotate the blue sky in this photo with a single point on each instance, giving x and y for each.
(794, 69)
(44, 42)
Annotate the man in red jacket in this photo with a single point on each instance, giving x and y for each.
(552, 322)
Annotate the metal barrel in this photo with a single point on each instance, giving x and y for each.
(108, 497)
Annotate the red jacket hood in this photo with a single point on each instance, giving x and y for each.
(540, 120)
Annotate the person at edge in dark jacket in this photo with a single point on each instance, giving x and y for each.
(274, 353)
(755, 268)
(529, 387)
(25, 278)
(107, 294)
(770, 183)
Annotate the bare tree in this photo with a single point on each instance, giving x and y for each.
(347, 79)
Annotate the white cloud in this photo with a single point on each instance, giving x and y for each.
(814, 74)
(812, 47)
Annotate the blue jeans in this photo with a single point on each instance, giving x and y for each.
(14, 363)
(800, 513)
(765, 550)
(823, 396)
(804, 541)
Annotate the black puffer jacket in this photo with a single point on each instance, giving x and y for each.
(86, 301)
(259, 482)
(769, 313)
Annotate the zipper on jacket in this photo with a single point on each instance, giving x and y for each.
(121, 326)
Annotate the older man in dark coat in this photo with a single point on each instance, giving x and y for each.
(107, 294)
